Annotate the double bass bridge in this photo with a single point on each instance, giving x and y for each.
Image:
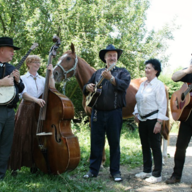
(44, 134)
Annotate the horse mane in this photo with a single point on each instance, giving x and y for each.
(79, 58)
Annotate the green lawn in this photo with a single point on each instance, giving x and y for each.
(131, 156)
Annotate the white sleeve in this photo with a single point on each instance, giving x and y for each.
(135, 109)
(161, 100)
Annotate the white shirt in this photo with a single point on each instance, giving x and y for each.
(34, 85)
(150, 98)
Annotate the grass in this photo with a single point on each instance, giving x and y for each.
(131, 157)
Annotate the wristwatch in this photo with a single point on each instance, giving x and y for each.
(159, 122)
(111, 80)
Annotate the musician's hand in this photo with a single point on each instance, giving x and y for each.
(136, 118)
(90, 87)
(16, 74)
(40, 102)
(157, 128)
(189, 69)
(8, 81)
(50, 67)
(106, 74)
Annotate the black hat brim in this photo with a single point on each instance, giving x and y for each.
(104, 51)
(7, 45)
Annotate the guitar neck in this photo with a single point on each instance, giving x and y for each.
(188, 90)
(102, 78)
(100, 81)
(23, 59)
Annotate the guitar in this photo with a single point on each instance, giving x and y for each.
(181, 103)
(92, 97)
(7, 93)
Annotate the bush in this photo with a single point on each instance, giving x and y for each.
(74, 93)
(172, 86)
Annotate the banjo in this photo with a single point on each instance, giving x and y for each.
(7, 93)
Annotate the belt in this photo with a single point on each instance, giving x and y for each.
(149, 114)
(8, 106)
(23, 101)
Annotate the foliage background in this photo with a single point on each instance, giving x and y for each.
(91, 26)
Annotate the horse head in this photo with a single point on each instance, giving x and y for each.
(66, 65)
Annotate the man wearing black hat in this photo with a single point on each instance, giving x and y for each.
(7, 114)
(106, 114)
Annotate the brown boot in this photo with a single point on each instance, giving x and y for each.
(172, 180)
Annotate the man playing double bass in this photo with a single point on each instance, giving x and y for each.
(185, 131)
(106, 114)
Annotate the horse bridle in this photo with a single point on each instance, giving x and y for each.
(66, 72)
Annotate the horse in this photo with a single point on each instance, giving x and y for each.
(69, 65)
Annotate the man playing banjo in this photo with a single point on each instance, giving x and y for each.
(8, 77)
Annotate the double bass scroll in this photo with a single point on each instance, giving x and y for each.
(56, 148)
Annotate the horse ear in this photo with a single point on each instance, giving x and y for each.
(72, 48)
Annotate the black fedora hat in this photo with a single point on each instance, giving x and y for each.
(109, 48)
(7, 42)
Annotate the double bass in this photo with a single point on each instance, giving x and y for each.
(56, 148)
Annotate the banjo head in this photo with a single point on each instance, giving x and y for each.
(7, 94)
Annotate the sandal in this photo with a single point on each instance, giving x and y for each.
(88, 175)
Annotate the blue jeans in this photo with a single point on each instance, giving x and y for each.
(109, 122)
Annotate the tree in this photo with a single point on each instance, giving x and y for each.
(90, 24)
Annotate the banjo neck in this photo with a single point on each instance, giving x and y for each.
(24, 58)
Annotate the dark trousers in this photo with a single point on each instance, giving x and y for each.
(7, 116)
(109, 122)
(150, 140)
(183, 139)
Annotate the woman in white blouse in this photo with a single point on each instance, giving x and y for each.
(149, 112)
(26, 121)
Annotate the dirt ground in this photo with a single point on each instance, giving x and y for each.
(132, 184)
